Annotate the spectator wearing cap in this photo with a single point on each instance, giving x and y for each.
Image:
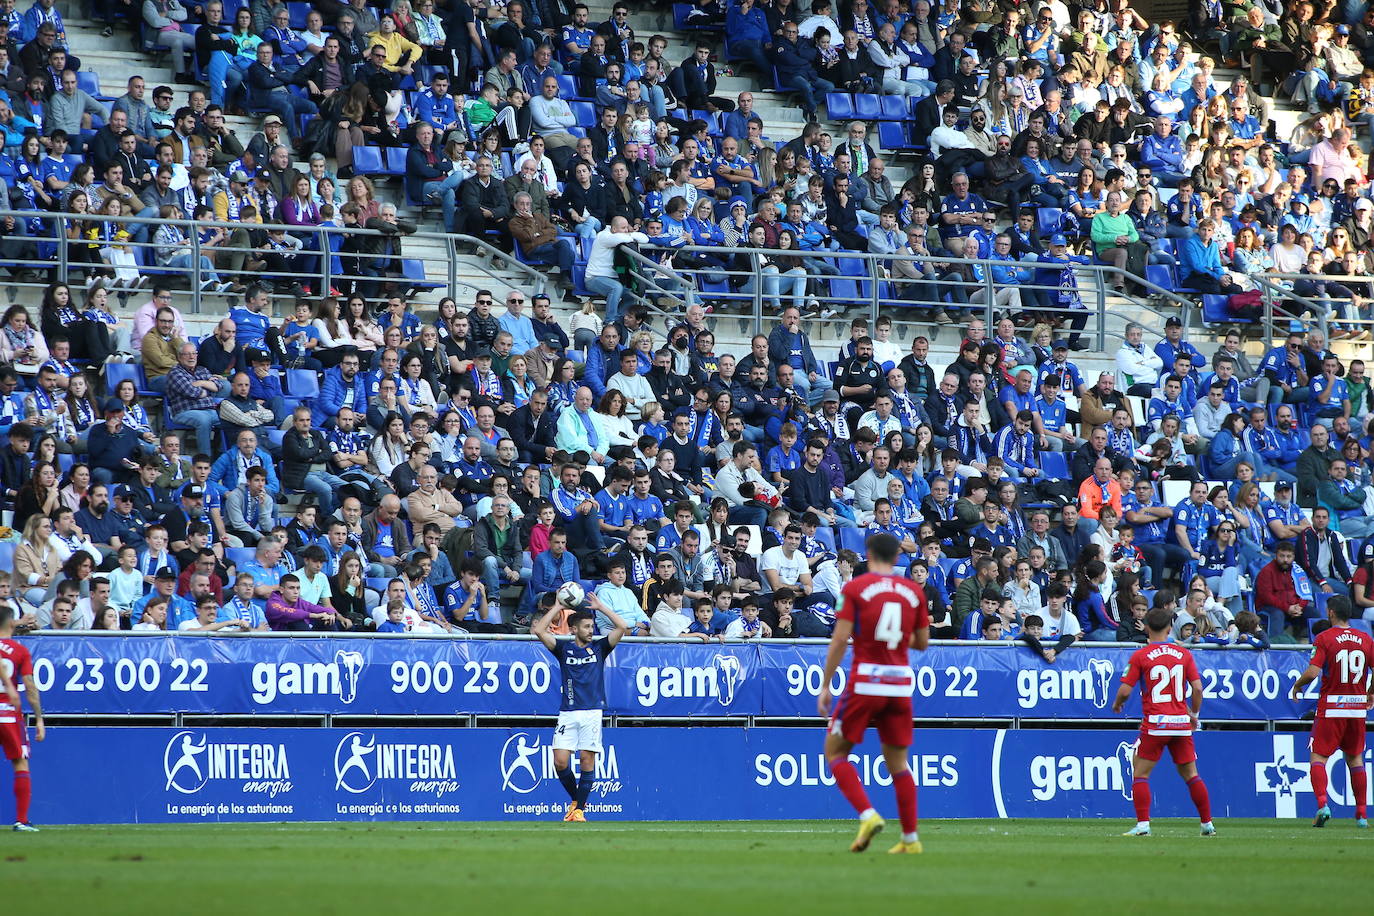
(159, 348)
(128, 521)
(113, 447)
(179, 609)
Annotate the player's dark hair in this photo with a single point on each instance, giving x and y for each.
(883, 548)
(6, 614)
(578, 616)
(1338, 607)
(1159, 620)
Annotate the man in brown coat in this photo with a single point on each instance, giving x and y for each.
(538, 237)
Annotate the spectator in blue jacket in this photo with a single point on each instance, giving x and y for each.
(1199, 263)
(749, 36)
(229, 468)
(1162, 151)
(603, 360)
(343, 386)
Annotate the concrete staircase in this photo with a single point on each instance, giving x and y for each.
(114, 60)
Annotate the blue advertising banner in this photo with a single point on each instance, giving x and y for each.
(172, 775)
(244, 675)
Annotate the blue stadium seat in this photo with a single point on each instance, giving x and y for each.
(867, 106)
(298, 13)
(89, 82)
(1161, 275)
(396, 160)
(1216, 311)
(1055, 465)
(1048, 220)
(894, 107)
(584, 112)
(892, 136)
(239, 555)
(852, 539)
(367, 160)
(839, 106)
(567, 87)
(302, 383)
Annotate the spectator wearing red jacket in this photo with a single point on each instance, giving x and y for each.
(1276, 595)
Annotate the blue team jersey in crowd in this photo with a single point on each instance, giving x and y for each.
(581, 680)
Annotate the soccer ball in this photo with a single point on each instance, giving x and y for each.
(570, 595)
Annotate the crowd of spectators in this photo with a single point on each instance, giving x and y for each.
(452, 470)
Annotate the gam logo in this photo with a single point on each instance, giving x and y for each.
(720, 680)
(271, 680)
(1093, 684)
(1051, 775)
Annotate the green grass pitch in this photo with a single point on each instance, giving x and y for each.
(791, 867)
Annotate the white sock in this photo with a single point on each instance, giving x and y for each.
(1145, 824)
(869, 812)
(909, 838)
(1206, 823)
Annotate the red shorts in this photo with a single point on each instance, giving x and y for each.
(854, 713)
(1330, 735)
(1181, 749)
(14, 741)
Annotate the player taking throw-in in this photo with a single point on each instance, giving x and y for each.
(1166, 673)
(582, 696)
(1342, 657)
(887, 616)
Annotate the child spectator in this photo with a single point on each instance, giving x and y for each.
(703, 624)
(395, 617)
(749, 626)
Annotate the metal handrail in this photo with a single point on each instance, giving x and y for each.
(650, 268)
(535, 279)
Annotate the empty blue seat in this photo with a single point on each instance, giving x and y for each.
(88, 81)
(1055, 465)
(302, 383)
(567, 87)
(867, 106)
(367, 160)
(892, 136)
(1215, 310)
(852, 539)
(396, 160)
(894, 107)
(1161, 275)
(839, 106)
(584, 112)
(1048, 220)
